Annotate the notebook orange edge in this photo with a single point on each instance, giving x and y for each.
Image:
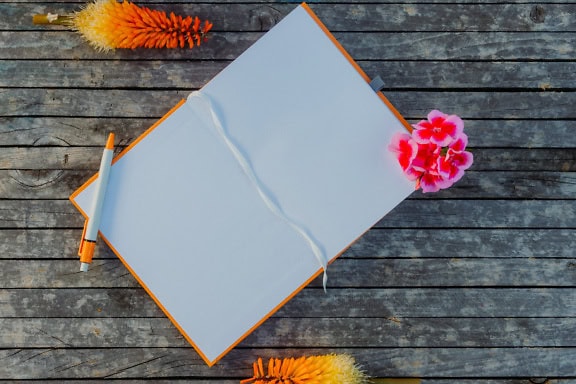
(209, 362)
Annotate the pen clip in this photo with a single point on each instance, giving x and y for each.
(82, 238)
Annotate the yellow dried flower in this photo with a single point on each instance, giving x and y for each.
(324, 369)
(108, 24)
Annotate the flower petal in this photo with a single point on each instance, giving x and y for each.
(463, 160)
(405, 149)
(436, 115)
(441, 138)
(458, 124)
(422, 136)
(429, 183)
(459, 144)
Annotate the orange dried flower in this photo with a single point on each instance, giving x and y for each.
(108, 24)
(326, 369)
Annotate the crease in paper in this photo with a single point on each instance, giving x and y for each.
(267, 197)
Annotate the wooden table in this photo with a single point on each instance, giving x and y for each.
(473, 285)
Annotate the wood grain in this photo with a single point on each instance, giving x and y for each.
(358, 17)
(558, 162)
(473, 285)
(296, 333)
(534, 214)
(161, 74)
(27, 243)
(489, 184)
(311, 302)
(92, 131)
(112, 363)
(344, 273)
(155, 103)
(441, 45)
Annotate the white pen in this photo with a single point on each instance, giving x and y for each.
(90, 233)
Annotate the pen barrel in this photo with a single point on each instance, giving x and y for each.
(99, 195)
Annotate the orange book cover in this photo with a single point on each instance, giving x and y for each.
(244, 193)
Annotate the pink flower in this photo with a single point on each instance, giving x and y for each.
(432, 165)
(440, 129)
(426, 158)
(456, 161)
(453, 165)
(459, 144)
(405, 149)
(433, 182)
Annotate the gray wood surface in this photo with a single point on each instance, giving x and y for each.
(472, 285)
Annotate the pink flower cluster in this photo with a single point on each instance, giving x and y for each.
(434, 155)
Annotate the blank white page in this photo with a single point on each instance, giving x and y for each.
(182, 215)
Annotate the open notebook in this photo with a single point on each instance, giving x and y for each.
(237, 198)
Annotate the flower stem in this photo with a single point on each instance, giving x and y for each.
(51, 18)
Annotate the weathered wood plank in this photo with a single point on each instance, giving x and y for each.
(71, 131)
(458, 45)
(311, 302)
(88, 103)
(481, 214)
(399, 299)
(536, 158)
(39, 214)
(59, 184)
(313, 2)
(344, 273)
(376, 243)
(22, 160)
(154, 363)
(454, 272)
(374, 380)
(420, 213)
(498, 243)
(341, 17)
(65, 274)
(471, 75)
(231, 381)
(411, 332)
(107, 74)
(81, 302)
(26, 166)
(155, 103)
(44, 244)
(361, 45)
(78, 131)
(489, 105)
(432, 302)
(519, 133)
(297, 333)
(53, 44)
(41, 184)
(510, 185)
(517, 380)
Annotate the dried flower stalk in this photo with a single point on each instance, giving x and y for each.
(108, 24)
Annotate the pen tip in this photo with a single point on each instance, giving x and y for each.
(84, 267)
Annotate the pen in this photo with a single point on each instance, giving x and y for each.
(88, 242)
